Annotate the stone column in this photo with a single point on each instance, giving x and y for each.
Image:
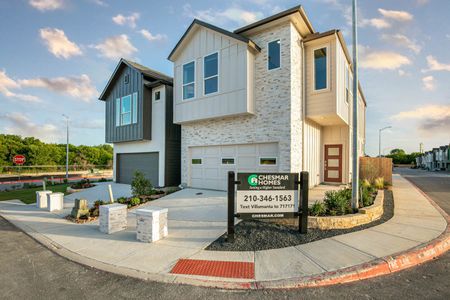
(41, 198)
(113, 218)
(151, 224)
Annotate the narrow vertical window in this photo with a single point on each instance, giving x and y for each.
(211, 73)
(189, 80)
(135, 101)
(320, 69)
(117, 108)
(157, 95)
(274, 60)
(126, 110)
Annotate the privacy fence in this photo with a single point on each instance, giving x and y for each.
(373, 167)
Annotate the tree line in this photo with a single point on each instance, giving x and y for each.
(399, 156)
(39, 153)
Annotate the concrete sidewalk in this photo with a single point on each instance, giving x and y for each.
(415, 222)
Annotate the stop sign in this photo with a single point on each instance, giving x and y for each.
(19, 159)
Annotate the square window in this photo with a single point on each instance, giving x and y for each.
(227, 161)
(211, 85)
(274, 60)
(267, 161)
(196, 161)
(157, 95)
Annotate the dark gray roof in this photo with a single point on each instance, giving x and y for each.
(148, 73)
(277, 16)
(214, 28)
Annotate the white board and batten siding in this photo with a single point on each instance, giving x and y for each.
(211, 173)
(236, 64)
(313, 152)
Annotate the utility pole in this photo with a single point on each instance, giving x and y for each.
(67, 146)
(421, 148)
(355, 156)
(379, 139)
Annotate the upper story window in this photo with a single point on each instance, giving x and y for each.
(157, 95)
(274, 60)
(189, 80)
(211, 73)
(126, 109)
(320, 69)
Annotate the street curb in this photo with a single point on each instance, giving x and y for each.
(378, 267)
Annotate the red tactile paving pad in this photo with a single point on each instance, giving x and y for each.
(228, 269)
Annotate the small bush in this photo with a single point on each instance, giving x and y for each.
(379, 183)
(141, 186)
(98, 203)
(318, 209)
(65, 180)
(365, 183)
(102, 179)
(135, 201)
(122, 200)
(338, 202)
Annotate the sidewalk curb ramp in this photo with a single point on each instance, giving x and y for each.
(378, 267)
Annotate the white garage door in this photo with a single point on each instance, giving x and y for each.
(209, 165)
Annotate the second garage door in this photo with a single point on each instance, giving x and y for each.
(209, 165)
(128, 163)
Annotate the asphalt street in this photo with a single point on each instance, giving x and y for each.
(31, 271)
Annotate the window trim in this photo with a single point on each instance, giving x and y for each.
(182, 80)
(134, 108)
(133, 113)
(327, 88)
(222, 158)
(156, 92)
(268, 43)
(218, 72)
(201, 161)
(118, 108)
(268, 157)
(128, 112)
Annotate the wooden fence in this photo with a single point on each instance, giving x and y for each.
(373, 167)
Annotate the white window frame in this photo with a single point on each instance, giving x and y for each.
(182, 80)
(124, 113)
(118, 107)
(218, 72)
(268, 157)
(327, 88)
(201, 161)
(222, 158)
(134, 108)
(268, 43)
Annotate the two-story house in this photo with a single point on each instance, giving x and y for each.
(273, 96)
(139, 124)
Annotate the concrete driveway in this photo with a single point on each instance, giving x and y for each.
(99, 192)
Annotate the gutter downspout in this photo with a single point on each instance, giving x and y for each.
(302, 45)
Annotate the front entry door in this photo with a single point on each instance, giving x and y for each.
(333, 163)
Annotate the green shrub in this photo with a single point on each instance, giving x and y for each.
(122, 200)
(379, 183)
(367, 196)
(140, 186)
(98, 203)
(318, 209)
(365, 183)
(135, 201)
(338, 202)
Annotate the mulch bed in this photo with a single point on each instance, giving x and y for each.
(254, 235)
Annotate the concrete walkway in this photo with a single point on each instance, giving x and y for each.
(195, 220)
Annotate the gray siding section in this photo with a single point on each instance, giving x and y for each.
(146, 163)
(173, 144)
(130, 132)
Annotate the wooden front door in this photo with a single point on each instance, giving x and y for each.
(333, 163)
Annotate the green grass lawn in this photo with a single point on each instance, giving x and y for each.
(29, 195)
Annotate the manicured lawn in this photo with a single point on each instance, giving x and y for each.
(29, 195)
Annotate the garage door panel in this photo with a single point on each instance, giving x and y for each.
(197, 172)
(247, 149)
(229, 151)
(211, 172)
(211, 161)
(147, 163)
(268, 149)
(211, 151)
(247, 162)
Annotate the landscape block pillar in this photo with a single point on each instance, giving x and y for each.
(113, 218)
(41, 198)
(151, 224)
(55, 201)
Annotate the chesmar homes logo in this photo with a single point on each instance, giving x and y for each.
(253, 180)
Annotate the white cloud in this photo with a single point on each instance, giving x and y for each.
(100, 2)
(89, 123)
(380, 60)
(402, 73)
(79, 87)
(126, 20)
(233, 15)
(152, 38)
(397, 15)
(116, 47)
(428, 83)
(22, 125)
(376, 22)
(7, 84)
(424, 112)
(434, 65)
(58, 44)
(402, 41)
(422, 2)
(44, 5)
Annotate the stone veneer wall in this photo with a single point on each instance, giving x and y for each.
(273, 93)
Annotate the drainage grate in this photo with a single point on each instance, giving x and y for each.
(228, 269)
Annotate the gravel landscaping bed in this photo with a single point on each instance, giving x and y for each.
(253, 235)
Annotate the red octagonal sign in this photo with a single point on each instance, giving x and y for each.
(19, 159)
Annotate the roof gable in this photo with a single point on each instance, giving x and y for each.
(149, 74)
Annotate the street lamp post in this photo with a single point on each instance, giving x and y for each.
(355, 171)
(379, 139)
(67, 146)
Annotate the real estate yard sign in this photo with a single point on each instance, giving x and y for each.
(267, 195)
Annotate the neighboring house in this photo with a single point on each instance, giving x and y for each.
(139, 123)
(273, 96)
(435, 159)
(443, 157)
(429, 160)
(419, 160)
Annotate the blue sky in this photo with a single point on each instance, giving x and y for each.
(57, 55)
